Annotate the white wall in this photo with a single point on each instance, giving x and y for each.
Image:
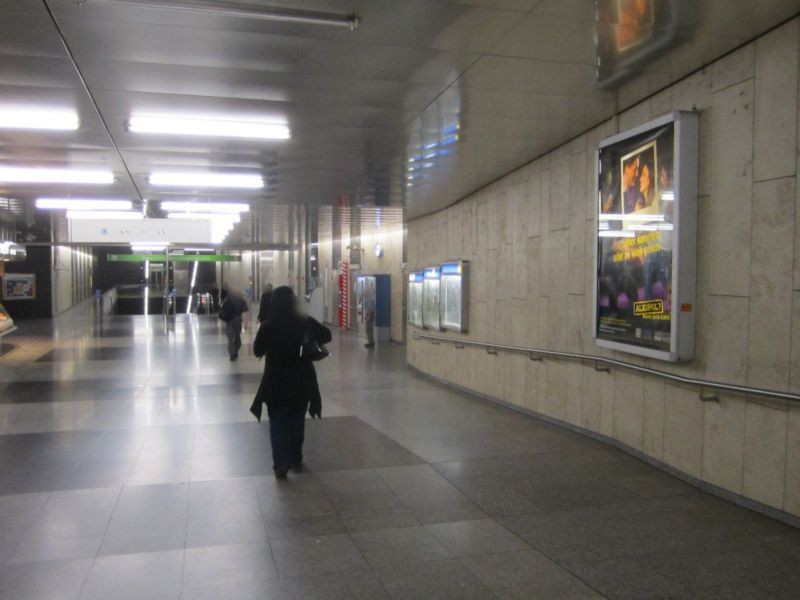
(72, 276)
(530, 239)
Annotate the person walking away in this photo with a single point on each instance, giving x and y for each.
(265, 306)
(234, 312)
(289, 385)
(369, 325)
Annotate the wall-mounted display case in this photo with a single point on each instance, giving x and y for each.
(430, 298)
(415, 298)
(647, 239)
(454, 283)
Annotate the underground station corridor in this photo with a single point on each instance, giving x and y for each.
(131, 468)
(402, 299)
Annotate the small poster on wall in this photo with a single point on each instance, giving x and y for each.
(19, 286)
(646, 239)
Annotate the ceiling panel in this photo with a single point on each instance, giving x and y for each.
(466, 89)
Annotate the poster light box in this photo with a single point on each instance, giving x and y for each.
(431, 318)
(646, 239)
(415, 298)
(454, 284)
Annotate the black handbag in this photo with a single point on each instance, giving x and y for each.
(311, 349)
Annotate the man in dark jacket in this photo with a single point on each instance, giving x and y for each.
(265, 306)
(234, 312)
(289, 385)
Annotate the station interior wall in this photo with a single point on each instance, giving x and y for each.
(372, 231)
(530, 238)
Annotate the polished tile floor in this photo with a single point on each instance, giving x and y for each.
(130, 468)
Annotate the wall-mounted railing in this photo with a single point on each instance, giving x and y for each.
(605, 364)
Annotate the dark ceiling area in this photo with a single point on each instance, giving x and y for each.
(423, 103)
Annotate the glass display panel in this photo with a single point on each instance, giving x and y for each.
(637, 241)
(430, 298)
(453, 290)
(415, 299)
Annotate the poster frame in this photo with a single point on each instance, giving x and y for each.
(431, 273)
(415, 278)
(684, 253)
(463, 273)
(28, 277)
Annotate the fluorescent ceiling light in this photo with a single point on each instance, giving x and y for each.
(206, 207)
(207, 180)
(209, 126)
(217, 217)
(82, 204)
(49, 119)
(34, 175)
(104, 214)
(248, 11)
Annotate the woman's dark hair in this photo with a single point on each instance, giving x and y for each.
(284, 301)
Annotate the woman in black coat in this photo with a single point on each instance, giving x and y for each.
(289, 385)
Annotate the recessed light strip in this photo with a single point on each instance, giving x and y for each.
(223, 9)
(213, 127)
(104, 215)
(82, 204)
(206, 207)
(207, 180)
(46, 119)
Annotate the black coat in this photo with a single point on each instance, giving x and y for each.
(288, 379)
(265, 307)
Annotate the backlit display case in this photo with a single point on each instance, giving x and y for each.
(430, 299)
(454, 282)
(415, 298)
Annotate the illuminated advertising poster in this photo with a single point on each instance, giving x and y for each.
(19, 286)
(415, 299)
(629, 34)
(454, 285)
(430, 298)
(646, 239)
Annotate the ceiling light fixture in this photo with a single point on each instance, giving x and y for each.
(82, 204)
(207, 180)
(207, 207)
(104, 214)
(35, 175)
(208, 126)
(48, 119)
(218, 217)
(246, 11)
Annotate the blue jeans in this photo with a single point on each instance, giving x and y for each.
(233, 330)
(287, 432)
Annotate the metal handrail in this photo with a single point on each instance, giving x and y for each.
(610, 362)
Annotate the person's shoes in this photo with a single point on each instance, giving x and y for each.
(281, 472)
(234, 357)
(298, 468)
(369, 345)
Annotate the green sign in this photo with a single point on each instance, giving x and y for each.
(175, 258)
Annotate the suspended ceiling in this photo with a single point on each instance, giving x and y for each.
(485, 84)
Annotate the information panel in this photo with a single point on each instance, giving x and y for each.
(430, 298)
(415, 298)
(19, 286)
(646, 239)
(454, 285)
